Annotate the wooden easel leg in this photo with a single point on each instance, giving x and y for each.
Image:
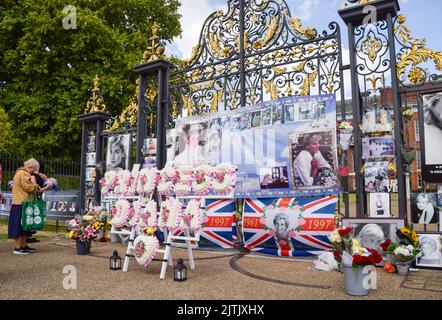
(130, 246)
(166, 258)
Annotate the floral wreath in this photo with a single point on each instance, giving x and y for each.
(147, 181)
(173, 209)
(121, 214)
(167, 176)
(146, 248)
(124, 181)
(149, 216)
(132, 187)
(185, 174)
(224, 178)
(134, 215)
(109, 182)
(203, 180)
(192, 218)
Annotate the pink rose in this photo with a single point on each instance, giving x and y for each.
(301, 222)
(206, 219)
(262, 220)
(296, 208)
(272, 233)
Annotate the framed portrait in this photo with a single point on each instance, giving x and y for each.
(371, 233)
(289, 113)
(424, 208)
(383, 120)
(379, 205)
(376, 176)
(256, 119)
(90, 174)
(53, 206)
(323, 145)
(118, 152)
(91, 159)
(277, 115)
(378, 147)
(192, 141)
(430, 124)
(273, 177)
(62, 206)
(266, 117)
(150, 146)
(369, 121)
(430, 256)
(72, 207)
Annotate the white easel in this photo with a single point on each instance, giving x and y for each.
(187, 238)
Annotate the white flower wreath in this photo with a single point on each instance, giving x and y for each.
(146, 248)
(134, 216)
(149, 216)
(121, 214)
(192, 216)
(185, 174)
(132, 187)
(224, 178)
(203, 180)
(109, 182)
(124, 180)
(147, 181)
(170, 215)
(182, 189)
(167, 175)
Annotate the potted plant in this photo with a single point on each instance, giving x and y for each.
(353, 260)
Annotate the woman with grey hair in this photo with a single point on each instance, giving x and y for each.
(371, 236)
(430, 253)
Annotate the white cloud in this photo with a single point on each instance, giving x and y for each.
(304, 9)
(194, 13)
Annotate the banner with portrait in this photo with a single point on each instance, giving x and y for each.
(282, 148)
(118, 152)
(288, 226)
(430, 123)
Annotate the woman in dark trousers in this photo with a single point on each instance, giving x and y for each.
(23, 186)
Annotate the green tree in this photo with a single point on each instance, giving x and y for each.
(46, 71)
(6, 137)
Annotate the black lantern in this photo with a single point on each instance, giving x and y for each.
(180, 271)
(115, 261)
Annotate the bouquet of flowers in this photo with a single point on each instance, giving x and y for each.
(84, 229)
(349, 252)
(407, 248)
(404, 253)
(345, 133)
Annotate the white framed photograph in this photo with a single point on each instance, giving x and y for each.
(424, 208)
(379, 205)
(118, 151)
(371, 233)
(91, 159)
(378, 147)
(431, 254)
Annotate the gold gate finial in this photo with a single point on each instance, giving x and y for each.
(95, 103)
(156, 50)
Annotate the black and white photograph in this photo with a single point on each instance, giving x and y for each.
(90, 159)
(244, 121)
(277, 115)
(54, 206)
(430, 122)
(72, 206)
(273, 178)
(369, 121)
(379, 205)
(304, 111)
(149, 147)
(372, 233)
(290, 113)
(313, 158)
(256, 119)
(376, 176)
(439, 196)
(378, 147)
(383, 120)
(431, 254)
(191, 146)
(118, 151)
(424, 208)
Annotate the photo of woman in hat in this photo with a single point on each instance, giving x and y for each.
(191, 145)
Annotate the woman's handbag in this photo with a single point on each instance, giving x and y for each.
(33, 214)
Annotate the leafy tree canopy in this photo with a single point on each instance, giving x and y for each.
(46, 71)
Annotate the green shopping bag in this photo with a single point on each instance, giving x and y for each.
(33, 214)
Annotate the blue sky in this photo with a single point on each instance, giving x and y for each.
(423, 18)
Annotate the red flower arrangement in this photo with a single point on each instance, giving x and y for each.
(372, 258)
(343, 172)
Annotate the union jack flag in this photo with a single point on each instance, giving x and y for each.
(219, 228)
(318, 222)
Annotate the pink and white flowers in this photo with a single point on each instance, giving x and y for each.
(122, 213)
(146, 248)
(147, 181)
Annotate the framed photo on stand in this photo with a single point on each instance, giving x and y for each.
(430, 256)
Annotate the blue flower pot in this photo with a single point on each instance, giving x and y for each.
(83, 247)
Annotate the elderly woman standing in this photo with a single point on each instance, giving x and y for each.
(24, 183)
